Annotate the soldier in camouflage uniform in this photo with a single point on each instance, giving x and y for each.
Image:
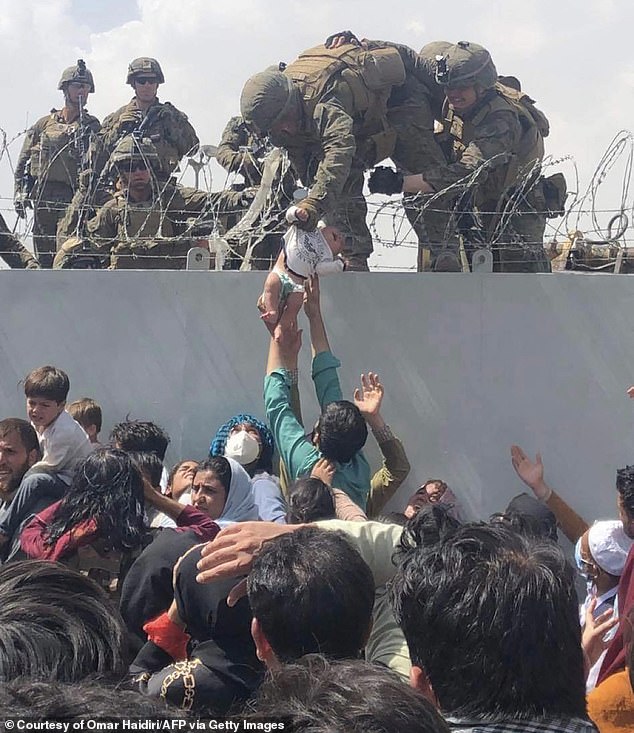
(13, 252)
(497, 140)
(338, 111)
(238, 151)
(144, 225)
(169, 130)
(53, 153)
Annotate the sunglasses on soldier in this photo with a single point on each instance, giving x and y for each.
(145, 80)
(131, 166)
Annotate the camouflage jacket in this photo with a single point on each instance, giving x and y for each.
(327, 145)
(155, 233)
(13, 252)
(169, 130)
(494, 132)
(51, 152)
(237, 151)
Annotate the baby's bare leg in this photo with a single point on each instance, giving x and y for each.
(269, 301)
(288, 318)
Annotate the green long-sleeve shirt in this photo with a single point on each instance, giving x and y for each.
(296, 450)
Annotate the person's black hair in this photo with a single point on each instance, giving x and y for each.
(221, 467)
(28, 436)
(31, 699)
(320, 696)
(150, 466)
(342, 431)
(311, 591)
(107, 487)
(491, 616)
(427, 527)
(56, 624)
(528, 515)
(309, 499)
(625, 487)
(140, 437)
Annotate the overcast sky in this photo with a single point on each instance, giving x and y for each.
(574, 58)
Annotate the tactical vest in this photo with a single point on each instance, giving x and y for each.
(528, 151)
(147, 238)
(54, 158)
(369, 75)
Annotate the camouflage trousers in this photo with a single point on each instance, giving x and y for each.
(13, 252)
(49, 204)
(416, 150)
(350, 217)
(517, 238)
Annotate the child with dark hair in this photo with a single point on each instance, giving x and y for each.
(63, 442)
(87, 413)
(309, 500)
(104, 501)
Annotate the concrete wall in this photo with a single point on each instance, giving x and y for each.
(471, 364)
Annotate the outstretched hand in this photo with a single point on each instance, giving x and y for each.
(531, 473)
(630, 392)
(369, 398)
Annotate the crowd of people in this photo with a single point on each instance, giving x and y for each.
(467, 145)
(270, 582)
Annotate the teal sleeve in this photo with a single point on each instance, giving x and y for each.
(298, 454)
(326, 379)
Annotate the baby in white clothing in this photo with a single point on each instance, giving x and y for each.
(304, 254)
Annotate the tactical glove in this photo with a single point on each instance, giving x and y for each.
(342, 38)
(385, 180)
(304, 214)
(21, 204)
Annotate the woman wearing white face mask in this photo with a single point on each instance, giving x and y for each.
(249, 441)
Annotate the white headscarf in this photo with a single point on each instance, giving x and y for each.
(239, 506)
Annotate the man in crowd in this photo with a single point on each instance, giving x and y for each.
(491, 621)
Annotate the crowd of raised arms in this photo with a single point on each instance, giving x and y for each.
(267, 581)
(467, 147)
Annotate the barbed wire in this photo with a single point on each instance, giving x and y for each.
(392, 222)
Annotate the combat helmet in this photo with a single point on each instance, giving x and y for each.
(79, 73)
(144, 66)
(464, 64)
(131, 148)
(266, 98)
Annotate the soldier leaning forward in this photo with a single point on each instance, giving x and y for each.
(335, 111)
(144, 225)
(53, 153)
(496, 135)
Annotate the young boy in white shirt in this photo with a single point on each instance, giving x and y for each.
(63, 442)
(64, 445)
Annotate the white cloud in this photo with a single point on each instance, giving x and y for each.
(574, 59)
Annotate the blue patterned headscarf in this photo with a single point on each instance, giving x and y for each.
(217, 447)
